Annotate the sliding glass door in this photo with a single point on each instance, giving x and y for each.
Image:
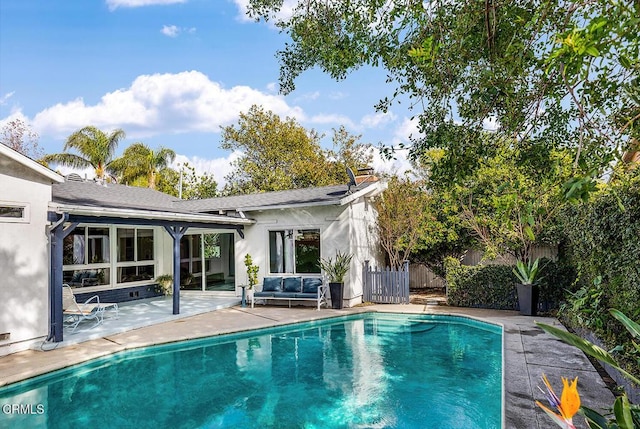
(207, 262)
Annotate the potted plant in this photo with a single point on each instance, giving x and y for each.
(252, 278)
(252, 271)
(336, 270)
(528, 290)
(165, 284)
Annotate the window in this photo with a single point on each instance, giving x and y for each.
(14, 212)
(135, 254)
(86, 257)
(294, 251)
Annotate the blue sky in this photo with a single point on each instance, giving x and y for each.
(170, 73)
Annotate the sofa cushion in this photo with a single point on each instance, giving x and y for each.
(292, 284)
(306, 295)
(263, 294)
(272, 284)
(311, 285)
(285, 295)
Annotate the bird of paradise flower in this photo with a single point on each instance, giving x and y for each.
(567, 404)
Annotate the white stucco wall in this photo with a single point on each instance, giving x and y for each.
(347, 228)
(24, 259)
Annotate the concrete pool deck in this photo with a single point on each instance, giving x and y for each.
(528, 351)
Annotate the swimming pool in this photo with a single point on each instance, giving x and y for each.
(365, 371)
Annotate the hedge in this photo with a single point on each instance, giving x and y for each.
(493, 286)
(603, 243)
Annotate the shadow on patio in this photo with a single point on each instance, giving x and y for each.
(144, 312)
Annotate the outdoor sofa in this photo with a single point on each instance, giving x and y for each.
(295, 288)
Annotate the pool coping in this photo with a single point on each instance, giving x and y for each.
(528, 352)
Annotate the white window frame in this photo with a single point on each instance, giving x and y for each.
(26, 212)
(290, 234)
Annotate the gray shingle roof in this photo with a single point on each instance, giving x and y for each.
(93, 194)
(325, 195)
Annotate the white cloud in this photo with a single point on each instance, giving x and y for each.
(170, 30)
(162, 104)
(174, 31)
(337, 95)
(218, 167)
(285, 12)
(309, 96)
(114, 4)
(397, 166)
(376, 120)
(332, 119)
(272, 87)
(15, 115)
(408, 129)
(491, 123)
(5, 98)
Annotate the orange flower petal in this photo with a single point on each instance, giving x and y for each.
(570, 400)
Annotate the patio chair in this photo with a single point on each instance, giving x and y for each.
(91, 309)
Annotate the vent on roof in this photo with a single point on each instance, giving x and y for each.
(73, 177)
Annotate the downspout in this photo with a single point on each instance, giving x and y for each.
(55, 277)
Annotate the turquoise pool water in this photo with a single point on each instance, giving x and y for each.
(368, 371)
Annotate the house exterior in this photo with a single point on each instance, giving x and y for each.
(25, 192)
(293, 228)
(114, 241)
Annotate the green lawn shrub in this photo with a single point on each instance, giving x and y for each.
(484, 286)
(494, 286)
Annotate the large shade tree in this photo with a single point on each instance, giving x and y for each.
(557, 73)
(95, 149)
(279, 154)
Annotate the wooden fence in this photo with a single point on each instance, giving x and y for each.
(421, 277)
(386, 286)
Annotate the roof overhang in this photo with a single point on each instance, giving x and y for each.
(30, 163)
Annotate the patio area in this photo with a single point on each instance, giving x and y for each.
(145, 312)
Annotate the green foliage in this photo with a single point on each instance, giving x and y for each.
(403, 220)
(194, 186)
(526, 273)
(95, 149)
(252, 271)
(603, 242)
(493, 286)
(510, 198)
(556, 74)
(484, 286)
(165, 284)
(338, 268)
(625, 415)
(140, 162)
(280, 154)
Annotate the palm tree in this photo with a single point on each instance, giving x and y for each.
(95, 148)
(139, 161)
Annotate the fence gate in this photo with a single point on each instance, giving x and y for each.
(386, 286)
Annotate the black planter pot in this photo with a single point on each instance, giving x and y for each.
(528, 299)
(335, 290)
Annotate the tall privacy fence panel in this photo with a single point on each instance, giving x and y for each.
(421, 277)
(386, 286)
